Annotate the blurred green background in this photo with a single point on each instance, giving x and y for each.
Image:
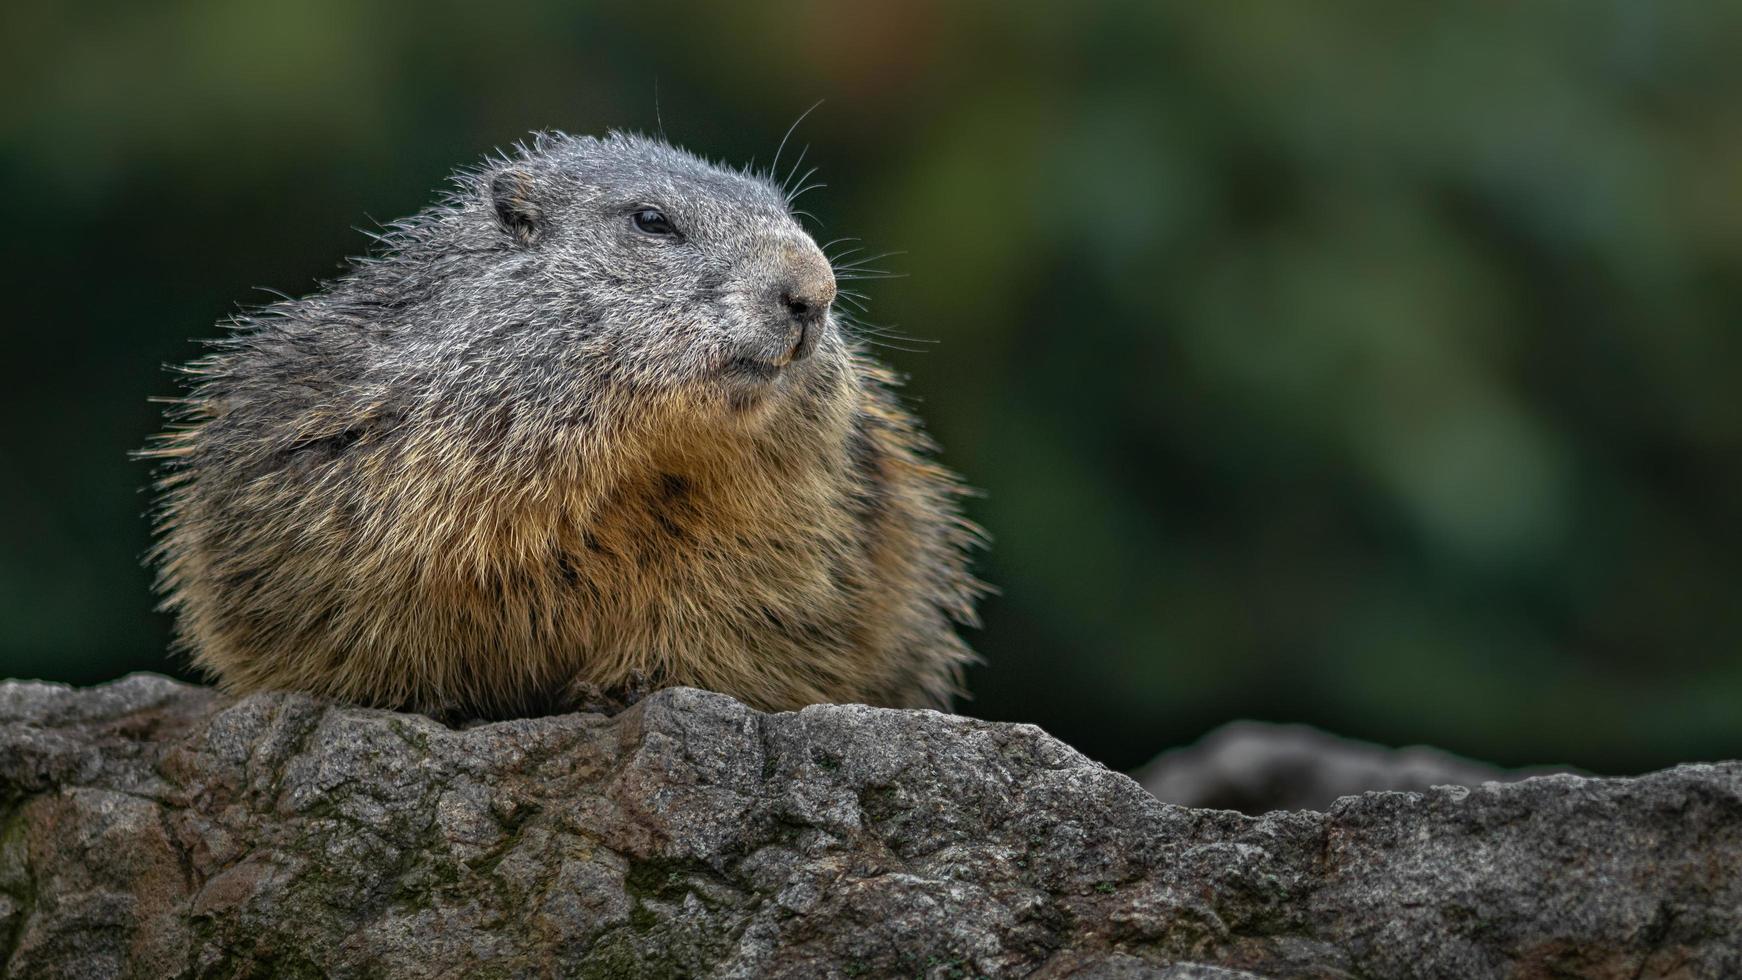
(1367, 364)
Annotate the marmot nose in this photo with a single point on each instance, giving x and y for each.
(808, 294)
(805, 295)
(802, 306)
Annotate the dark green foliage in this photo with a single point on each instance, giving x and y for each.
(1371, 365)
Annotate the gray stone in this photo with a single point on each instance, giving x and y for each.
(152, 829)
(1255, 767)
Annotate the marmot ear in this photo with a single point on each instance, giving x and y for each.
(511, 194)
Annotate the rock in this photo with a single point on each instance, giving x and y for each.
(1256, 767)
(152, 829)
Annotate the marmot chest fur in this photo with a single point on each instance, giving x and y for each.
(591, 421)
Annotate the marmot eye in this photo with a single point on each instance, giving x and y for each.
(652, 221)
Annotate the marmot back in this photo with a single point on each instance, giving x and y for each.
(590, 422)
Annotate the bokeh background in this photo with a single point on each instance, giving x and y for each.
(1368, 364)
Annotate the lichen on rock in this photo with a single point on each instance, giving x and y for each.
(155, 829)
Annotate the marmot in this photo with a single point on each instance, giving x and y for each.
(588, 423)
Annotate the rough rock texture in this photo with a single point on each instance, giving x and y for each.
(1256, 767)
(156, 830)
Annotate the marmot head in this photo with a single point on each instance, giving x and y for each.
(578, 269)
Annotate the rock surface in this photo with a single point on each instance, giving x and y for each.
(153, 829)
(1255, 767)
